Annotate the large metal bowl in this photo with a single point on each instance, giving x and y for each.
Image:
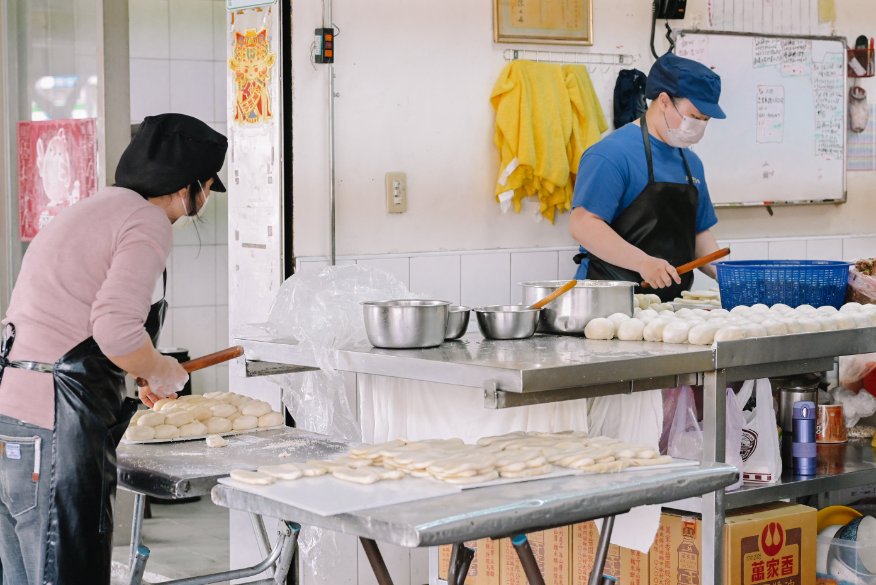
(507, 321)
(590, 299)
(457, 321)
(405, 323)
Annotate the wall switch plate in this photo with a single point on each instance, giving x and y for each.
(396, 193)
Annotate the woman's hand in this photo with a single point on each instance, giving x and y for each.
(167, 377)
(658, 272)
(147, 397)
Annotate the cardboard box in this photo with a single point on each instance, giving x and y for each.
(552, 553)
(484, 569)
(764, 545)
(629, 567)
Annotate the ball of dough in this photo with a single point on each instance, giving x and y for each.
(272, 419)
(213, 394)
(759, 308)
(599, 328)
(872, 317)
(861, 319)
(826, 323)
(781, 307)
(252, 477)
(137, 433)
(654, 330)
(190, 398)
(827, 310)
(684, 313)
(238, 399)
(666, 314)
(853, 307)
(741, 311)
(631, 330)
(201, 412)
(676, 332)
(179, 418)
(729, 333)
(137, 416)
(807, 310)
(193, 429)
(868, 308)
(159, 404)
(809, 325)
(173, 407)
(648, 315)
(255, 408)
(652, 299)
(794, 325)
(151, 419)
(775, 327)
(166, 432)
(719, 314)
(700, 313)
(217, 425)
(223, 410)
(640, 302)
(216, 441)
(755, 330)
(245, 423)
(844, 321)
(702, 334)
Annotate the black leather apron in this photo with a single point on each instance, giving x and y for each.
(91, 415)
(661, 222)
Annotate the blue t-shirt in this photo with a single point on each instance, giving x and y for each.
(613, 172)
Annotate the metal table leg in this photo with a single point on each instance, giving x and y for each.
(460, 561)
(287, 555)
(376, 559)
(714, 447)
(596, 576)
(527, 559)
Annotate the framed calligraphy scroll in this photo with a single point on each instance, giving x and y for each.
(559, 22)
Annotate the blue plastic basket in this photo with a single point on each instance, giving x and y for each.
(792, 282)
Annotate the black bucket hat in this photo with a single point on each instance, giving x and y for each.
(170, 152)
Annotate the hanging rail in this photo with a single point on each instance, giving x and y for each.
(566, 57)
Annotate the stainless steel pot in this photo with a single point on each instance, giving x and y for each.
(507, 321)
(457, 321)
(590, 299)
(406, 323)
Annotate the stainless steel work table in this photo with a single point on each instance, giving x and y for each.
(183, 469)
(548, 368)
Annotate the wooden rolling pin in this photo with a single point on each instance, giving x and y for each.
(685, 268)
(563, 289)
(211, 359)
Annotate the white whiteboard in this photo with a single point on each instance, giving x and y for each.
(783, 141)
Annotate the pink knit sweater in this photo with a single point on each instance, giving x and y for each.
(90, 272)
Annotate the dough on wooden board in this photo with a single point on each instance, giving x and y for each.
(137, 433)
(252, 477)
(271, 419)
(193, 429)
(166, 432)
(245, 423)
(362, 475)
(217, 425)
(255, 408)
(216, 441)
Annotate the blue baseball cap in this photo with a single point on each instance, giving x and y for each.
(685, 78)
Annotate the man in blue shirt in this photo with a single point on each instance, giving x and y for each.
(641, 204)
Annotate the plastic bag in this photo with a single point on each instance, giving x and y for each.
(853, 369)
(856, 405)
(862, 287)
(761, 454)
(323, 312)
(686, 432)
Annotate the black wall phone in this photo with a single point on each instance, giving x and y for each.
(672, 9)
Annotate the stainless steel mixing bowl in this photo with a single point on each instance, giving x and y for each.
(405, 323)
(590, 299)
(507, 321)
(457, 321)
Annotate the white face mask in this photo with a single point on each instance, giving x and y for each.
(184, 220)
(688, 133)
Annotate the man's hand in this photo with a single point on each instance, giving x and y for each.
(658, 272)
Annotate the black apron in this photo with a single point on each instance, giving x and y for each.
(661, 222)
(91, 415)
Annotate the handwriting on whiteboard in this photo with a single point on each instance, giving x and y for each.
(828, 84)
(767, 52)
(770, 113)
(796, 57)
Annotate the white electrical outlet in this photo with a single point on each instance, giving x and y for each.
(396, 193)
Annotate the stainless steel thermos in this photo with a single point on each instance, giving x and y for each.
(804, 447)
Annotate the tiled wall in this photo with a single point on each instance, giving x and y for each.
(178, 64)
(487, 277)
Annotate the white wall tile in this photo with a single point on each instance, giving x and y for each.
(191, 29)
(220, 203)
(222, 378)
(221, 42)
(194, 328)
(787, 250)
(531, 266)
(149, 29)
(857, 248)
(223, 336)
(566, 267)
(150, 88)
(824, 249)
(195, 284)
(221, 275)
(753, 250)
(486, 279)
(220, 103)
(436, 276)
(192, 93)
(398, 267)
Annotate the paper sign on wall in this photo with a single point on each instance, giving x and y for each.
(243, 4)
(57, 166)
(252, 63)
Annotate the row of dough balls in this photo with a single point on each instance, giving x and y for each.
(512, 456)
(650, 301)
(701, 327)
(213, 413)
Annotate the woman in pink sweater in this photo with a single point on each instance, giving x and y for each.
(80, 318)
